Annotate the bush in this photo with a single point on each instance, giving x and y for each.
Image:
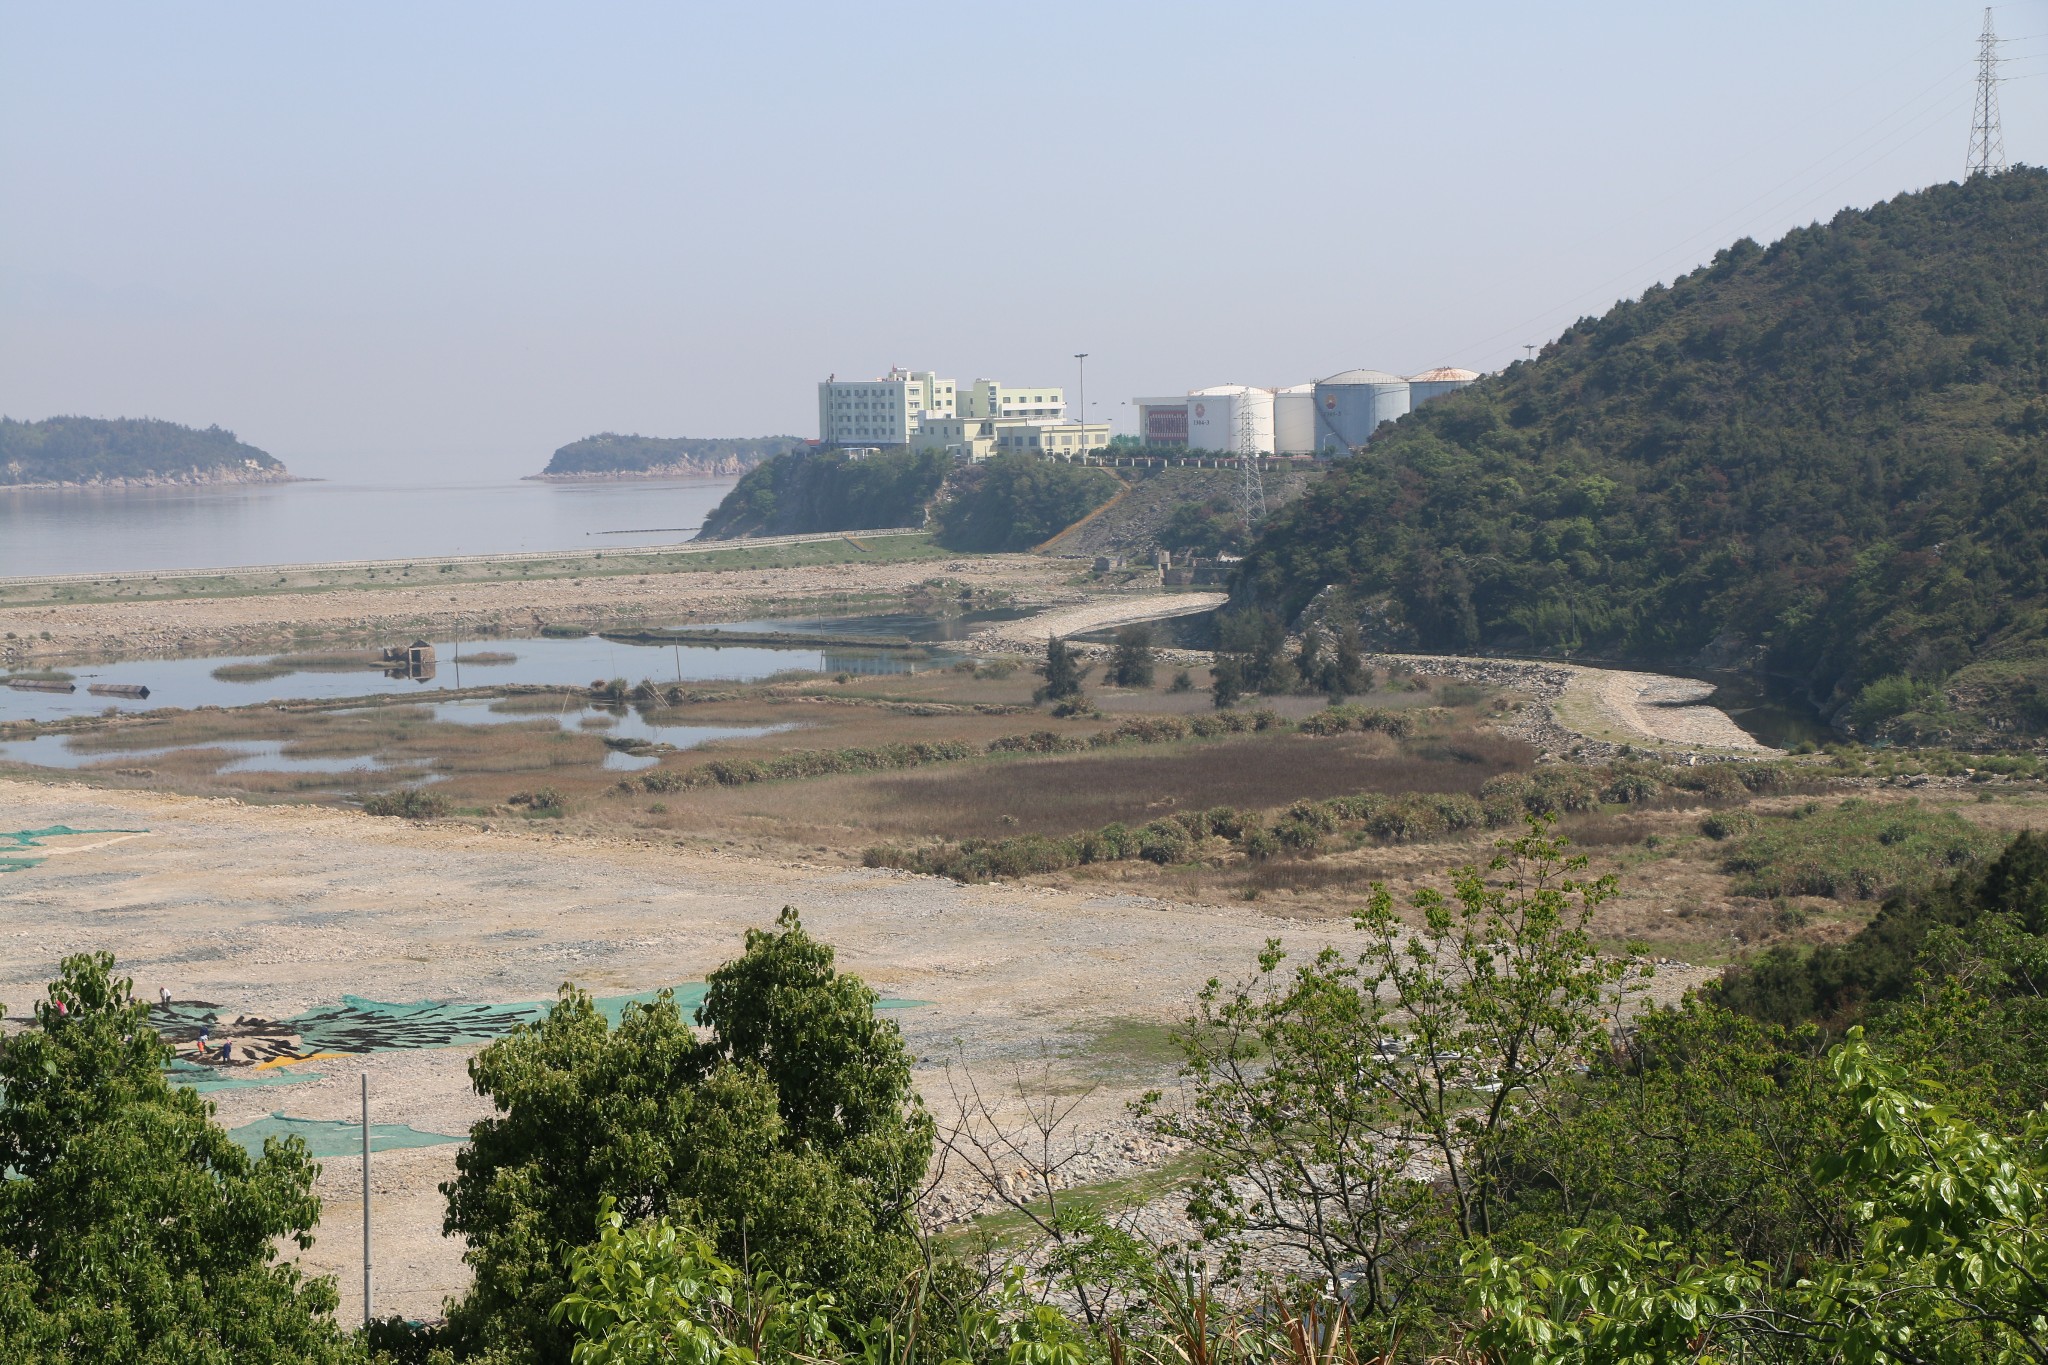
(1165, 841)
(1112, 843)
(1259, 843)
(1632, 789)
(1143, 730)
(1715, 781)
(1459, 811)
(1727, 824)
(1891, 696)
(1037, 742)
(1561, 789)
(1225, 822)
(408, 804)
(1301, 837)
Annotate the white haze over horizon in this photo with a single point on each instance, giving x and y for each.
(414, 243)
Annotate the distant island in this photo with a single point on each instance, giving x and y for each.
(609, 455)
(127, 452)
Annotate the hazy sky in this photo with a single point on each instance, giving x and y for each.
(408, 241)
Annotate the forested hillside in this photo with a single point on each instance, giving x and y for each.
(1826, 458)
(609, 453)
(824, 490)
(1011, 502)
(101, 450)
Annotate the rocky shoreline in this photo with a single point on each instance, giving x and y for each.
(727, 467)
(222, 477)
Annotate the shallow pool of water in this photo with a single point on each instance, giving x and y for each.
(190, 682)
(269, 756)
(1777, 717)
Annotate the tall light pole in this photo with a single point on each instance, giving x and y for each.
(1081, 358)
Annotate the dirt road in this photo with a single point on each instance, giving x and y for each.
(286, 619)
(1100, 614)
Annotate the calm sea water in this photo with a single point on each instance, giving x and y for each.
(92, 531)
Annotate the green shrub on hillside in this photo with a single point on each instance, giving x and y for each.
(1014, 502)
(1857, 850)
(807, 491)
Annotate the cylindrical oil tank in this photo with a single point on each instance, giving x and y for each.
(1294, 420)
(1350, 407)
(1235, 419)
(1436, 383)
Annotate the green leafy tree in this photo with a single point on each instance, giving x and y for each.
(652, 1293)
(1344, 673)
(1207, 528)
(1132, 663)
(1353, 1107)
(1702, 1127)
(1310, 660)
(790, 1138)
(1226, 681)
(1949, 1263)
(132, 1227)
(1062, 673)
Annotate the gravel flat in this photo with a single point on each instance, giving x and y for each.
(275, 910)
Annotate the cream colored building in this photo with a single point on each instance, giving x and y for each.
(964, 438)
(1050, 436)
(882, 412)
(988, 398)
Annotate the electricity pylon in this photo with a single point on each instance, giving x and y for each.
(1987, 140)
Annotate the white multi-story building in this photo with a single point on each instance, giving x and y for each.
(881, 412)
(919, 408)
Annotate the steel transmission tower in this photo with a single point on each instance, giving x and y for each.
(1987, 141)
(1251, 483)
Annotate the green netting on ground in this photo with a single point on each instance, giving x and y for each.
(210, 1078)
(15, 843)
(358, 1025)
(326, 1138)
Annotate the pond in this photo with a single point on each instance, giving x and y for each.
(273, 756)
(244, 679)
(1774, 715)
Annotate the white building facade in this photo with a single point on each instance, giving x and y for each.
(927, 411)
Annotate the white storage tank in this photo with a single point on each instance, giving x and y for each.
(1350, 407)
(1235, 419)
(1294, 420)
(1436, 383)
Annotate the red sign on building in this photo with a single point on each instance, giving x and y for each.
(1166, 426)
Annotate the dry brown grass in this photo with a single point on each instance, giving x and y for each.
(1066, 793)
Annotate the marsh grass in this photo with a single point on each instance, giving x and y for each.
(285, 664)
(1065, 794)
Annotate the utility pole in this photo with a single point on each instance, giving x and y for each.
(1987, 139)
(366, 1199)
(1081, 359)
